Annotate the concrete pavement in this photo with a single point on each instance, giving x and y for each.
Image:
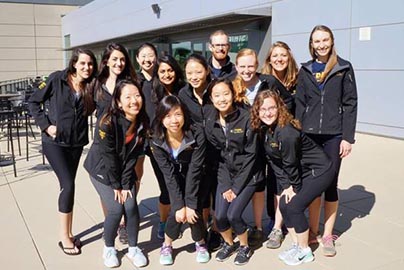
(370, 219)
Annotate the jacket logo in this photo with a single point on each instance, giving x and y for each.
(102, 134)
(339, 74)
(42, 85)
(274, 145)
(237, 131)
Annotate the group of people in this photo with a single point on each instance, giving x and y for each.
(217, 134)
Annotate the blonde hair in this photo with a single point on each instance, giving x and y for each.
(332, 57)
(291, 70)
(240, 88)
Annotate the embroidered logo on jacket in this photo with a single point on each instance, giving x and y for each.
(102, 134)
(237, 131)
(274, 145)
(42, 85)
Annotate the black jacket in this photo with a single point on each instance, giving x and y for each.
(56, 104)
(270, 82)
(110, 160)
(293, 155)
(149, 105)
(182, 174)
(195, 109)
(227, 71)
(333, 110)
(238, 162)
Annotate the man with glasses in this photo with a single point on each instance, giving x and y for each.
(219, 62)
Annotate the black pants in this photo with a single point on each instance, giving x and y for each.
(330, 145)
(198, 229)
(64, 162)
(164, 197)
(229, 214)
(312, 187)
(115, 211)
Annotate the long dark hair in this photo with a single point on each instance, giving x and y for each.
(128, 72)
(86, 93)
(146, 45)
(201, 60)
(165, 106)
(115, 110)
(158, 89)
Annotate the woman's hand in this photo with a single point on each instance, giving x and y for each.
(180, 215)
(229, 195)
(191, 215)
(51, 130)
(345, 148)
(289, 194)
(125, 194)
(118, 195)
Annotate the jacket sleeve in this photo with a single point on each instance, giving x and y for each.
(350, 106)
(37, 100)
(249, 158)
(107, 138)
(194, 173)
(170, 178)
(289, 146)
(300, 96)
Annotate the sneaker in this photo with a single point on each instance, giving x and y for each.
(166, 255)
(202, 253)
(243, 255)
(160, 230)
(122, 234)
(215, 240)
(303, 255)
(288, 252)
(137, 257)
(328, 245)
(275, 239)
(255, 237)
(225, 252)
(110, 257)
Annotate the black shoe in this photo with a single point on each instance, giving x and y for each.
(225, 252)
(243, 255)
(255, 237)
(215, 241)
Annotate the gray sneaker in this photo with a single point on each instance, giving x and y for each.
(275, 239)
(137, 257)
(288, 252)
(301, 256)
(328, 245)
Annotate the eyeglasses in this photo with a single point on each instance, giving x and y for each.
(269, 109)
(217, 46)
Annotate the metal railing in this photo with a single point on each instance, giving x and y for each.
(13, 86)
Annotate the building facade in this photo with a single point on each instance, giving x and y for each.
(368, 33)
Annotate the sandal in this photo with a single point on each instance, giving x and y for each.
(66, 249)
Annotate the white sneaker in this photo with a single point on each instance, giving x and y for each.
(110, 257)
(137, 257)
(303, 255)
(288, 252)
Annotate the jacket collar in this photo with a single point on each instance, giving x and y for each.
(186, 142)
(190, 93)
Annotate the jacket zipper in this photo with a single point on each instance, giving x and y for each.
(321, 111)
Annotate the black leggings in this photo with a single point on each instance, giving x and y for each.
(173, 228)
(115, 211)
(229, 214)
(164, 197)
(312, 187)
(330, 145)
(64, 162)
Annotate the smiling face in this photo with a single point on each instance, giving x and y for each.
(279, 59)
(246, 67)
(322, 42)
(173, 121)
(84, 67)
(268, 112)
(166, 74)
(219, 46)
(146, 59)
(196, 74)
(130, 101)
(116, 62)
(222, 98)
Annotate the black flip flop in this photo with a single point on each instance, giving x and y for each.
(64, 249)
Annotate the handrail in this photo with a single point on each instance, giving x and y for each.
(13, 86)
